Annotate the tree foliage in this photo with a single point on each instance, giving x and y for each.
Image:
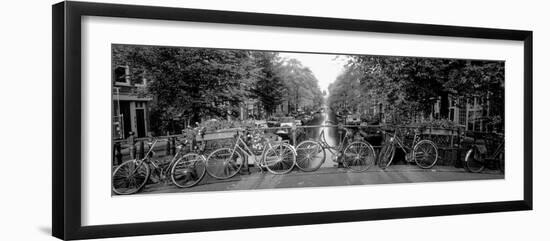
(302, 85)
(269, 88)
(199, 83)
(408, 86)
(190, 82)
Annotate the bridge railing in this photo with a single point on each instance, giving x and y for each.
(447, 139)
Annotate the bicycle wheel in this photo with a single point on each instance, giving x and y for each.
(474, 161)
(425, 154)
(280, 159)
(188, 170)
(310, 155)
(358, 156)
(130, 177)
(224, 163)
(387, 152)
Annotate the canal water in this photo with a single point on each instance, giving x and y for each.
(331, 134)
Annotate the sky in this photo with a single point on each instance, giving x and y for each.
(325, 67)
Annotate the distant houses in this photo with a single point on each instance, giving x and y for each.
(472, 113)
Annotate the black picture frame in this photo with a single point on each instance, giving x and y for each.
(66, 141)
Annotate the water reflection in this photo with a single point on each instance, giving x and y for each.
(331, 136)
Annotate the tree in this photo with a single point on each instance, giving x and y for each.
(285, 80)
(269, 87)
(197, 83)
(302, 85)
(408, 86)
(192, 83)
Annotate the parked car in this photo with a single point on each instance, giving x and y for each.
(288, 121)
(261, 124)
(353, 119)
(273, 122)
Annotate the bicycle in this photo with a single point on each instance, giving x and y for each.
(477, 158)
(422, 152)
(184, 170)
(357, 156)
(276, 157)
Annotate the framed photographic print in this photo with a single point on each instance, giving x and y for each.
(248, 120)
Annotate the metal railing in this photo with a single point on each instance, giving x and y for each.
(135, 147)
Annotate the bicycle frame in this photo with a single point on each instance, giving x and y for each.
(155, 167)
(325, 145)
(494, 154)
(243, 147)
(145, 159)
(396, 139)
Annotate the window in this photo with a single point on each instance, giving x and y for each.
(462, 116)
(122, 75)
(452, 114)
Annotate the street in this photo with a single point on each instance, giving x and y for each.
(328, 176)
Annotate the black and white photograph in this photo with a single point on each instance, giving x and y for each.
(191, 119)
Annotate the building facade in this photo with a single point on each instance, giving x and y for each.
(130, 106)
(472, 113)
